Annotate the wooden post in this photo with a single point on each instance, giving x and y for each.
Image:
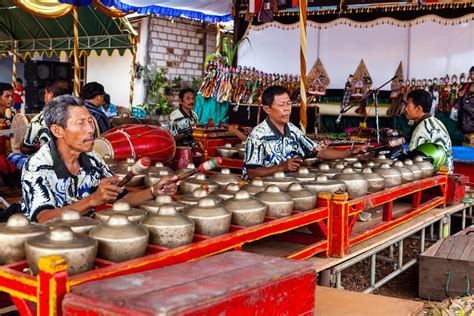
(303, 80)
(132, 72)
(77, 86)
(52, 284)
(340, 218)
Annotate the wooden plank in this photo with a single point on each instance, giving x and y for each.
(435, 214)
(468, 253)
(446, 246)
(431, 251)
(333, 302)
(458, 249)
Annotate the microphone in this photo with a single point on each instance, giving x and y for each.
(138, 168)
(338, 120)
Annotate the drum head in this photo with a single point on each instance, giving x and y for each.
(103, 147)
(19, 125)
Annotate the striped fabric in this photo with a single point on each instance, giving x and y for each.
(99, 116)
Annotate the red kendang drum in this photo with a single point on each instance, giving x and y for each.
(136, 140)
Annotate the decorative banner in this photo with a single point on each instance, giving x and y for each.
(110, 11)
(49, 9)
(361, 81)
(318, 79)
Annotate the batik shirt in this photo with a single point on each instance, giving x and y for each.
(267, 147)
(431, 130)
(37, 132)
(48, 184)
(179, 120)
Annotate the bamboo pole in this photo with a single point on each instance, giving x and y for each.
(304, 80)
(132, 72)
(77, 86)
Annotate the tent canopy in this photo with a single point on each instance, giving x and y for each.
(204, 10)
(97, 32)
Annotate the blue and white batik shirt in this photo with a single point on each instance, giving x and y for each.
(48, 184)
(266, 146)
(179, 120)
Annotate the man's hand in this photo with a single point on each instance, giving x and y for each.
(292, 164)
(166, 185)
(322, 145)
(107, 192)
(359, 152)
(233, 129)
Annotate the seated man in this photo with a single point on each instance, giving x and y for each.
(93, 94)
(428, 128)
(278, 145)
(37, 132)
(184, 117)
(66, 174)
(108, 108)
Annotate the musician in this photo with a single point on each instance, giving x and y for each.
(6, 114)
(428, 128)
(38, 133)
(278, 145)
(183, 118)
(66, 174)
(93, 95)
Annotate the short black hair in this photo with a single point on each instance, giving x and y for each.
(19, 80)
(5, 87)
(269, 94)
(59, 87)
(91, 90)
(421, 98)
(107, 98)
(182, 92)
(471, 69)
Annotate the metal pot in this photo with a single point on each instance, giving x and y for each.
(193, 198)
(73, 219)
(152, 206)
(119, 239)
(407, 174)
(109, 161)
(279, 204)
(327, 171)
(254, 187)
(279, 179)
(211, 219)
(152, 178)
(159, 166)
(370, 164)
(392, 176)
(303, 175)
(190, 166)
(381, 159)
(376, 181)
(227, 151)
(324, 185)
(246, 210)
(135, 215)
(136, 181)
(426, 167)
(356, 184)
(79, 250)
(224, 177)
(199, 182)
(415, 169)
(168, 228)
(228, 192)
(304, 199)
(240, 145)
(241, 153)
(13, 235)
(340, 166)
(357, 166)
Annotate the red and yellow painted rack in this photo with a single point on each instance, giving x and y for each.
(331, 225)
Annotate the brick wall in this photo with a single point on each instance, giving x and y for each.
(179, 45)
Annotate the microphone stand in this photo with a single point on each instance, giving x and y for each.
(375, 94)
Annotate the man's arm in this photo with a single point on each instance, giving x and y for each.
(166, 185)
(291, 164)
(27, 150)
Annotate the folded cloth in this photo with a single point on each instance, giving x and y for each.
(17, 159)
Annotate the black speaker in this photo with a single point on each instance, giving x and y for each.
(43, 72)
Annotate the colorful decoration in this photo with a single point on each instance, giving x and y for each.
(361, 81)
(318, 79)
(44, 9)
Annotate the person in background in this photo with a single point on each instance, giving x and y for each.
(6, 114)
(183, 118)
(277, 145)
(241, 132)
(67, 174)
(37, 133)
(19, 95)
(428, 128)
(93, 96)
(108, 108)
